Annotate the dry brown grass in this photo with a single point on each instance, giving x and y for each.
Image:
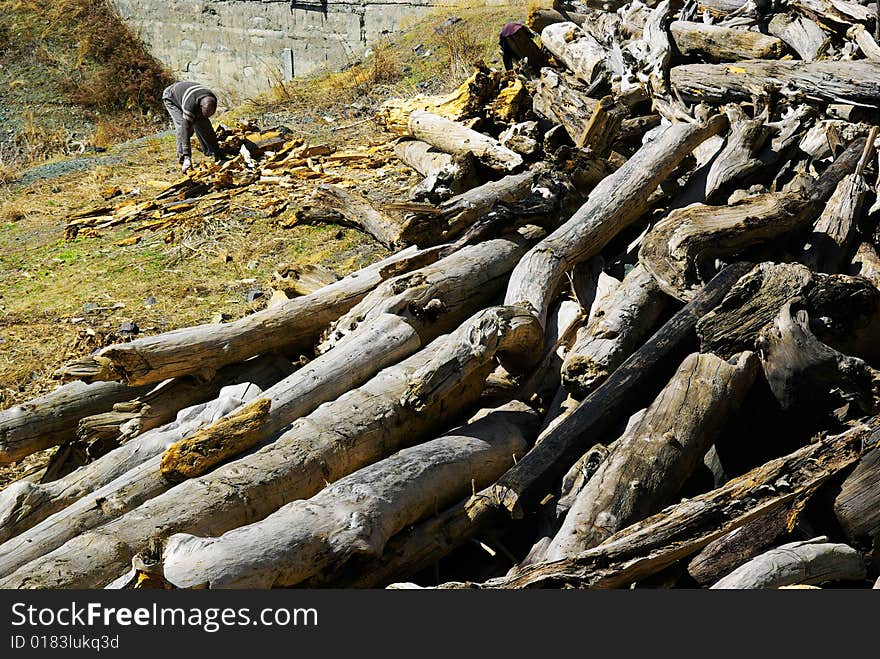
(464, 47)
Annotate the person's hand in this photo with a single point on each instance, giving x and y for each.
(186, 165)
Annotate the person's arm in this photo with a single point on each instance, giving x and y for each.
(208, 134)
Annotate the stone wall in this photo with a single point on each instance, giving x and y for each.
(239, 47)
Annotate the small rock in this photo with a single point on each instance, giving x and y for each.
(128, 328)
(151, 301)
(254, 294)
(89, 307)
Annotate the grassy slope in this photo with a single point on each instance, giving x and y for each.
(45, 280)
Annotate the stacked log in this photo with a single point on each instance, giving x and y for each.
(628, 335)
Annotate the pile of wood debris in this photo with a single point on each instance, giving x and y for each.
(627, 336)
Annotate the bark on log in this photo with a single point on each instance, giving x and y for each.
(554, 455)
(804, 36)
(24, 504)
(651, 462)
(162, 404)
(614, 204)
(394, 410)
(815, 561)
(620, 324)
(358, 212)
(857, 506)
(445, 175)
(51, 420)
(678, 247)
(728, 552)
(575, 48)
(355, 516)
(293, 325)
(648, 547)
(855, 82)
(451, 137)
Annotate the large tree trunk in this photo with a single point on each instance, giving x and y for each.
(719, 43)
(393, 410)
(51, 420)
(452, 137)
(620, 324)
(815, 561)
(647, 547)
(616, 202)
(445, 175)
(356, 515)
(856, 82)
(293, 325)
(651, 462)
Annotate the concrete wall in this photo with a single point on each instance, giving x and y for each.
(239, 47)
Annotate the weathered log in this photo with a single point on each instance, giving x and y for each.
(451, 137)
(293, 325)
(728, 552)
(358, 212)
(575, 48)
(437, 298)
(866, 263)
(356, 515)
(561, 98)
(679, 531)
(830, 243)
(721, 44)
(804, 373)
(393, 410)
(24, 504)
(603, 128)
(616, 202)
(815, 561)
(622, 320)
(856, 82)
(678, 247)
(804, 36)
(596, 414)
(457, 214)
(857, 506)
(51, 420)
(651, 462)
(869, 47)
(738, 159)
(445, 175)
(162, 404)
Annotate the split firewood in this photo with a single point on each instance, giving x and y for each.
(722, 556)
(445, 175)
(575, 48)
(393, 410)
(857, 506)
(649, 546)
(621, 322)
(616, 202)
(651, 462)
(358, 212)
(804, 36)
(856, 81)
(200, 350)
(51, 420)
(678, 247)
(308, 536)
(456, 139)
(815, 561)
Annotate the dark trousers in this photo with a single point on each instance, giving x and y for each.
(202, 131)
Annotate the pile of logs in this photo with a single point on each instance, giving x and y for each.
(628, 336)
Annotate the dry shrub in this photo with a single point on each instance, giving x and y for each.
(109, 132)
(463, 46)
(113, 69)
(380, 68)
(10, 212)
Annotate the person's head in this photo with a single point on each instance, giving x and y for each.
(208, 105)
